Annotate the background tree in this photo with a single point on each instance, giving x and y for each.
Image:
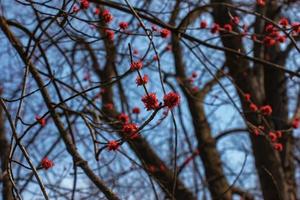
(149, 99)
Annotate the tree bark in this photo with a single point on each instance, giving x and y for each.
(4, 155)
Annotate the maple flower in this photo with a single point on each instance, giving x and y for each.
(123, 117)
(278, 134)
(106, 15)
(123, 25)
(46, 163)
(75, 9)
(296, 27)
(273, 136)
(195, 89)
(162, 168)
(266, 110)
(164, 33)
(96, 11)
(136, 65)
(278, 146)
(150, 101)
(269, 28)
(155, 58)
(142, 80)
(171, 100)
(284, 22)
(40, 120)
(253, 107)
(84, 4)
(136, 110)
(296, 123)
(227, 27)
(130, 128)
(203, 24)
(256, 131)
(261, 2)
(108, 106)
(281, 38)
(152, 168)
(235, 20)
(110, 35)
(215, 28)
(113, 145)
(247, 97)
(268, 41)
(194, 75)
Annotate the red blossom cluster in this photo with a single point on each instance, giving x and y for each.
(131, 130)
(227, 27)
(40, 120)
(164, 33)
(46, 163)
(273, 36)
(150, 101)
(75, 9)
(136, 65)
(266, 110)
(123, 25)
(296, 28)
(84, 4)
(247, 97)
(142, 80)
(296, 123)
(278, 146)
(215, 28)
(97, 11)
(110, 35)
(123, 117)
(171, 100)
(113, 145)
(154, 169)
(235, 20)
(256, 131)
(108, 106)
(191, 80)
(136, 110)
(107, 16)
(261, 2)
(194, 75)
(253, 107)
(284, 22)
(274, 136)
(203, 24)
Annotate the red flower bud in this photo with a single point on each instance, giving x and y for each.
(203, 24)
(171, 100)
(123, 25)
(46, 163)
(113, 145)
(266, 110)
